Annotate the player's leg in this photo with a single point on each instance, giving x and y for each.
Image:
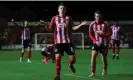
(104, 61)
(69, 48)
(58, 56)
(117, 49)
(22, 54)
(93, 60)
(29, 51)
(49, 56)
(29, 55)
(53, 58)
(22, 51)
(93, 63)
(110, 43)
(113, 48)
(72, 60)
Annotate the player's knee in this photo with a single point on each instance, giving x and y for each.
(23, 51)
(29, 49)
(58, 56)
(94, 55)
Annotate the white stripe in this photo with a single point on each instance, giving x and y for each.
(62, 31)
(22, 43)
(67, 18)
(44, 49)
(94, 29)
(100, 39)
(24, 35)
(58, 33)
(103, 27)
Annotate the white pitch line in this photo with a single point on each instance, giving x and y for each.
(79, 76)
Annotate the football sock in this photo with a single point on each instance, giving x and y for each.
(58, 66)
(29, 54)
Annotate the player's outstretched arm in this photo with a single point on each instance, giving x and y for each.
(40, 22)
(83, 23)
(43, 22)
(13, 20)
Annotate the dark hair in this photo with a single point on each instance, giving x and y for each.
(98, 12)
(61, 4)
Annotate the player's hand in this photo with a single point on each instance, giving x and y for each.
(84, 23)
(98, 43)
(99, 32)
(42, 21)
(12, 20)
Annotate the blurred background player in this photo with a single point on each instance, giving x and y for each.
(116, 29)
(48, 53)
(26, 40)
(99, 33)
(63, 26)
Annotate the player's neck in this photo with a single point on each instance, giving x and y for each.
(98, 21)
(61, 15)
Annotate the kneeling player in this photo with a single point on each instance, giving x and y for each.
(48, 53)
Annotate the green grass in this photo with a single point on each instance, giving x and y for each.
(11, 69)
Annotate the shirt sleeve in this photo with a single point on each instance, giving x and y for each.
(91, 34)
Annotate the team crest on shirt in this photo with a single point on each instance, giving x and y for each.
(60, 25)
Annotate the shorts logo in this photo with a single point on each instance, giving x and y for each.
(72, 49)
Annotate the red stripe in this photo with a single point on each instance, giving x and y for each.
(96, 30)
(100, 26)
(66, 30)
(59, 21)
(55, 33)
(22, 32)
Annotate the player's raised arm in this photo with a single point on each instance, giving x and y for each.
(43, 22)
(52, 24)
(13, 20)
(78, 26)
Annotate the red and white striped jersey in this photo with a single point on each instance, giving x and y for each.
(115, 32)
(48, 48)
(62, 29)
(103, 38)
(25, 34)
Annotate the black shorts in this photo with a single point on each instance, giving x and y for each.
(26, 43)
(67, 47)
(103, 49)
(115, 42)
(44, 53)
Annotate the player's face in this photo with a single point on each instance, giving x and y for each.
(62, 10)
(98, 17)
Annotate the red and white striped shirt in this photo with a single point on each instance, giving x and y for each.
(103, 38)
(62, 29)
(115, 32)
(48, 48)
(25, 34)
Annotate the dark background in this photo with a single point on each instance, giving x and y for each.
(79, 10)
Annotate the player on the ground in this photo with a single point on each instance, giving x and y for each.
(99, 32)
(48, 53)
(116, 29)
(63, 27)
(26, 40)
